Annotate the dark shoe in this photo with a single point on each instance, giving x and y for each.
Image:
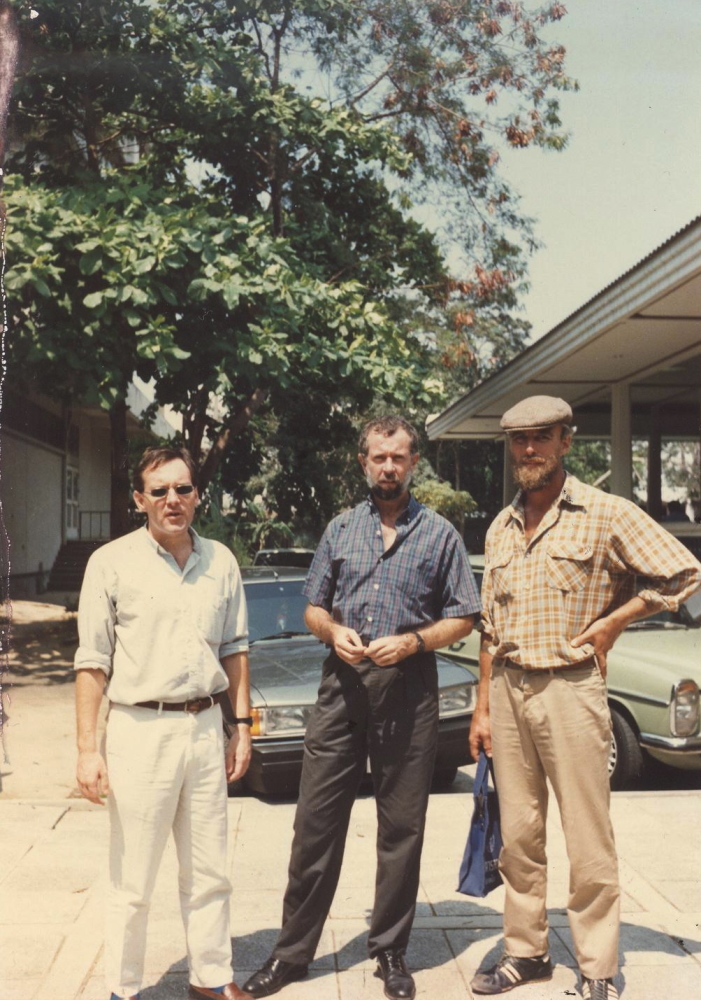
(598, 989)
(511, 972)
(273, 976)
(231, 992)
(398, 983)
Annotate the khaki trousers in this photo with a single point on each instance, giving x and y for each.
(166, 772)
(556, 725)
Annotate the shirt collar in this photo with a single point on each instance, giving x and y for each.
(572, 493)
(406, 516)
(196, 541)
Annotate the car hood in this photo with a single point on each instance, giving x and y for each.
(653, 660)
(288, 671)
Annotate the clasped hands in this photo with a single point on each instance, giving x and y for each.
(383, 652)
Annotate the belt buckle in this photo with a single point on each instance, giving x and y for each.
(195, 706)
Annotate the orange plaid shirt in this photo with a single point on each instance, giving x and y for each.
(585, 559)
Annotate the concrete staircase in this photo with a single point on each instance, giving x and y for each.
(69, 567)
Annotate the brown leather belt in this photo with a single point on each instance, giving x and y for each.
(579, 665)
(195, 706)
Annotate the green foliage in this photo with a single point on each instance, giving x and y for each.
(590, 461)
(211, 523)
(441, 497)
(220, 197)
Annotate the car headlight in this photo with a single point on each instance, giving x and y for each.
(684, 708)
(281, 720)
(458, 699)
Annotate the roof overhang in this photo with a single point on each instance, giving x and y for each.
(643, 330)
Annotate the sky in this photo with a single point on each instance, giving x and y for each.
(631, 175)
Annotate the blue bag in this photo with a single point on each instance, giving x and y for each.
(479, 871)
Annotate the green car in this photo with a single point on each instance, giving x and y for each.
(654, 674)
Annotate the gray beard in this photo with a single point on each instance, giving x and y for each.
(536, 477)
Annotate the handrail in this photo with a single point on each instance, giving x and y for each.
(94, 525)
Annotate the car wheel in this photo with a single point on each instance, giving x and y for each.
(443, 777)
(625, 756)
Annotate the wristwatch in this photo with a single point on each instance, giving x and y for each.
(244, 720)
(420, 644)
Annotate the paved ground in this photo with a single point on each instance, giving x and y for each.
(53, 858)
(52, 863)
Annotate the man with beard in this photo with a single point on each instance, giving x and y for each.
(567, 568)
(390, 582)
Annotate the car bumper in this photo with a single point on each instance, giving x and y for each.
(676, 751)
(276, 765)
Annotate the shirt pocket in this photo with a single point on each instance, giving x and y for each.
(501, 570)
(210, 617)
(569, 565)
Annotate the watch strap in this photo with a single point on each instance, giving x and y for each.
(421, 645)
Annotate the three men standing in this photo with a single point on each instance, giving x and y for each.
(390, 582)
(567, 568)
(162, 621)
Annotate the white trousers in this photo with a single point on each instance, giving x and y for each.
(166, 772)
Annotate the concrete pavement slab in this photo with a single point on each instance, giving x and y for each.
(53, 881)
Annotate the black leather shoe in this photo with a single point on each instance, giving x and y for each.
(399, 985)
(272, 977)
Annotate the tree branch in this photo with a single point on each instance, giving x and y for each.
(236, 425)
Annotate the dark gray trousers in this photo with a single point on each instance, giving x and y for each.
(391, 715)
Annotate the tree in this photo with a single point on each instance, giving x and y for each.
(300, 262)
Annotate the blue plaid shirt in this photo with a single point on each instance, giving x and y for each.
(423, 577)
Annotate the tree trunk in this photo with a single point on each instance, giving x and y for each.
(119, 485)
(9, 48)
(234, 427)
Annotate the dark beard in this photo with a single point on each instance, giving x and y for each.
(389, 491)
(536, 477)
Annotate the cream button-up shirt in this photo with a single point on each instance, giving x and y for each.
(159, 632)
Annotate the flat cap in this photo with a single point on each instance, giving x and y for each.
(537, 411)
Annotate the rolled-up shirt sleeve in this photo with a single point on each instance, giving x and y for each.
(235, 631)
(96, 620)
(670, 573)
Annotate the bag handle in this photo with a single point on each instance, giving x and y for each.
(485, 767)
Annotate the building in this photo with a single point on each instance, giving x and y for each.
(55, 486)
(629, 362)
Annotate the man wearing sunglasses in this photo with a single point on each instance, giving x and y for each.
(163, 629)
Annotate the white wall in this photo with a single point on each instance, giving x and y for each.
(31, 485)
(94, 463)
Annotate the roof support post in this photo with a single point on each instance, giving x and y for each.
(621, 441)
(654, 466)
(509, 488)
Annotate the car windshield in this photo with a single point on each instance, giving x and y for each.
(275, 608)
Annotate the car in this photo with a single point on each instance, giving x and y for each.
(286, 660)
(300, 558)
(654, 675)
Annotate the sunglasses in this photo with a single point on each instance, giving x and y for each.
(160, 492)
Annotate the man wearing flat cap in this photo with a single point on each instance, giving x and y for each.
(567, 568)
